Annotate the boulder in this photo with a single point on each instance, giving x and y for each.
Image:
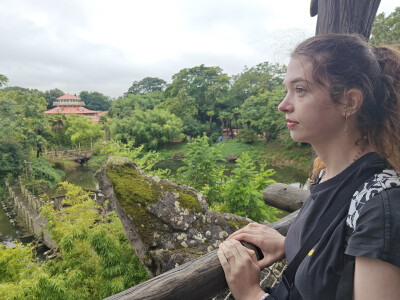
(168, 224)
(231, 158)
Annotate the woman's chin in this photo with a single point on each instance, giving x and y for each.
(297, 138)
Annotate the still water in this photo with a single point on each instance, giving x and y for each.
(82, 176)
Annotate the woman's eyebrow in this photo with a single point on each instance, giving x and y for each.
(295, 80)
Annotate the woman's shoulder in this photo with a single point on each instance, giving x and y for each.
(385, 180)
(375, 215)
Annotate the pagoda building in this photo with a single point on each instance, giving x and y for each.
(69, 104)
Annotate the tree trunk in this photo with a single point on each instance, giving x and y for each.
(346, 16)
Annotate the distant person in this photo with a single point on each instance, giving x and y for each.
(343, 97)
(220, 138)
(190, 138)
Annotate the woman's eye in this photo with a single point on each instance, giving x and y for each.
(299, 90)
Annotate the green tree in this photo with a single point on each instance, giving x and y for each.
(3, 80)
(11, 158)
(242, 192)
(386, 30)
(22, 119)
(124, 106)
(51, 96)
(210, 114)
(207, 85)
(254, 81)
(203, 168)
(261, 112)
(184, 107)
(147, 85)
(151, 128)
(95, 100)
(82, 131)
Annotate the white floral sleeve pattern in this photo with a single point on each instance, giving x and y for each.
(385, 180)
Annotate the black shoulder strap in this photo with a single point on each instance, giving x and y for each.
(339, 207)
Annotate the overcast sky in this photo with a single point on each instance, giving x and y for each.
(103, 46)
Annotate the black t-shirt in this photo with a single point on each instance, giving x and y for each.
(376, 235)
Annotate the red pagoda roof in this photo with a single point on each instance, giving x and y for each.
(78, 110)
(68, 97)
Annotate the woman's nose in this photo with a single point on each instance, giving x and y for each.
(285, 105)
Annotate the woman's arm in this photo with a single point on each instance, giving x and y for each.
(376, 279)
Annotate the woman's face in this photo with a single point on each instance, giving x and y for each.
(311, 115)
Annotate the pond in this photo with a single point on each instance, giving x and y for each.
(82, 176)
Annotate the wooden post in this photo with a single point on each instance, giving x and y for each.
(284, 196)
(345, 16)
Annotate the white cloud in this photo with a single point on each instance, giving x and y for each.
(104, 46)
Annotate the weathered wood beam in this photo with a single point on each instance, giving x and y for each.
(285, 197)
(345, 16)
(199, 279)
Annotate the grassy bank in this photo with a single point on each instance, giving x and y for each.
(272, 154)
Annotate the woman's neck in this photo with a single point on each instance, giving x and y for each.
(337, 159)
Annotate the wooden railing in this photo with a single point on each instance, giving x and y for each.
(203, 278)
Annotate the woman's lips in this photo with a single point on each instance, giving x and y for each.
(291, 124)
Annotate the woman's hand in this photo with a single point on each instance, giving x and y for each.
(270, 242)
(241, 270)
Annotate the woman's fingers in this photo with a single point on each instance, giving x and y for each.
(247, 229)
(224, 255)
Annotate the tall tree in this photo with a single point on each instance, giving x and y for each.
(22, 119)
(147, 85)
(150, 128)
(386, 30)
(95, 100)
(124, 106)
(254, 81)
(3, 80)
(51, 96)
(205, 84)
(82, 131)
(184, 107)
(260, 111)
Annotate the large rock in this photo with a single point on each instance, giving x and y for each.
(168, 224)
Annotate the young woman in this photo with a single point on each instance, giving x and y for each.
(343, 97)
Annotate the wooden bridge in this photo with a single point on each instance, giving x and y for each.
(77, 155)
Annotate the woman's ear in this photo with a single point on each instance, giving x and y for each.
(354, 100)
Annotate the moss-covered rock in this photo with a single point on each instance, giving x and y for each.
(168, 224)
